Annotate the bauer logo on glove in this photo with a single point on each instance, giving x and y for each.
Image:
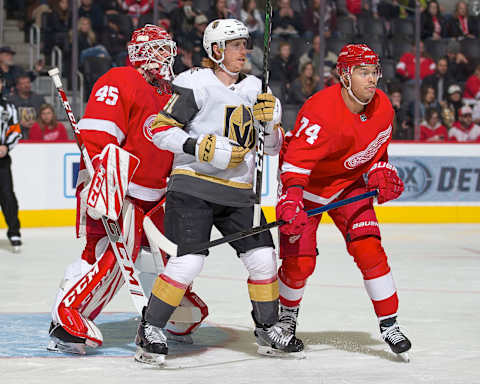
(383, 176)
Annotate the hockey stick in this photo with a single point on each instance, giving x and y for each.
(259, 155)
(129, 272)
(173, 249)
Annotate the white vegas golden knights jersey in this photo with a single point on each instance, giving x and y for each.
(202, 104)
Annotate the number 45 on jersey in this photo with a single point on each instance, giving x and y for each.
(107, 94)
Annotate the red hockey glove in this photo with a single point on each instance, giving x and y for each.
(383, 176)
(290, 209)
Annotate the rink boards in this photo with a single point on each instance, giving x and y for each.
(442, 184)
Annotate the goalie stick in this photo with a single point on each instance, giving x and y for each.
(112, 228)
(260, 153)
(173, 249)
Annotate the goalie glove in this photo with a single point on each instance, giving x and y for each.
(108, 188)
(383, 176)
(219, 151)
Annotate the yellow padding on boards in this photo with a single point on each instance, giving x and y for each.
(263, 292)
(167, 292)
(411, 214)
(386, 214)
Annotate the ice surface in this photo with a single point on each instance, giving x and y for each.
(436, 268)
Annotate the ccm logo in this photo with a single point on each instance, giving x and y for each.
(96, 187)
(82, 284)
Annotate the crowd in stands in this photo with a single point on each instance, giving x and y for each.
(449, 50)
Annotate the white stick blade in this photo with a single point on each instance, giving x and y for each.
(158, 238)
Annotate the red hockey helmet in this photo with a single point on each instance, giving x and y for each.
(152, 49)
(353, 55)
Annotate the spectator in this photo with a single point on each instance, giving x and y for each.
(183, 61)
(406, 64)
(47, 128)
(9, 136)
(196, 39)
(8, 70)
(313, 56)
(464, 130)
(284, 65)
(461, 24)
(476, 114)
(311, 18)
(431, 129)
(87, 41)
(440, 80)
(93, 12)
(115, 40)
(304, 85)
(433, 24)
(27, 103)
(452, 106)
(255, 60)
(56, 30)
(182, 20)
(428, 99)
(458, 64)
(471, 93)
(403, 129)
(285, 21)
(252, 18)
(219, 10)
(111, 7)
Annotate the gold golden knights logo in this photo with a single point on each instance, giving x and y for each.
(239, 125)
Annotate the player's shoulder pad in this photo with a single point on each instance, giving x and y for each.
(192, 78)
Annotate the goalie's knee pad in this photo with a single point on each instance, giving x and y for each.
(261, 263)
(199, 311)
(295, 271)
(369, 256)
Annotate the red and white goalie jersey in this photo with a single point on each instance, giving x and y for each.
(121, 109)
(331, 147)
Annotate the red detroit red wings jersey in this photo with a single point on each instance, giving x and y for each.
(331, 147)
(121, 110)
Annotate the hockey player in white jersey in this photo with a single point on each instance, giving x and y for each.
(210, 125)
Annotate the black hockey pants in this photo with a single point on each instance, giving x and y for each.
(8, 201)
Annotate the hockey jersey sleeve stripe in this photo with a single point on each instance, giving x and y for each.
(162, 121)
(106, 126)
(14, 134)
(287, 167)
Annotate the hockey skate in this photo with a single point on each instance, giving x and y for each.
(63, 342)
(394, 337)
(16, 243)
(151, 344)
(288, 318)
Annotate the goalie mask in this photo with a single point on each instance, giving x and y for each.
(351, 56)
(219, 32)
(152, 49)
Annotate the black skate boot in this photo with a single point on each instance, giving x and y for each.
(64, 342)
(288, 318)
(151, 344)
(16, 243)
(274, 340)
(394, 337)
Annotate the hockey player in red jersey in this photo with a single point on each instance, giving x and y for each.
(121, 108)
(341, 133)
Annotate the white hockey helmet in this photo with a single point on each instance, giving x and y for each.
(220, 31)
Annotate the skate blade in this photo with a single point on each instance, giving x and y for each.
(56, 345)
(404, 357)
(272, 352)
(184, 339)
(16, 249)
(155, 359)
